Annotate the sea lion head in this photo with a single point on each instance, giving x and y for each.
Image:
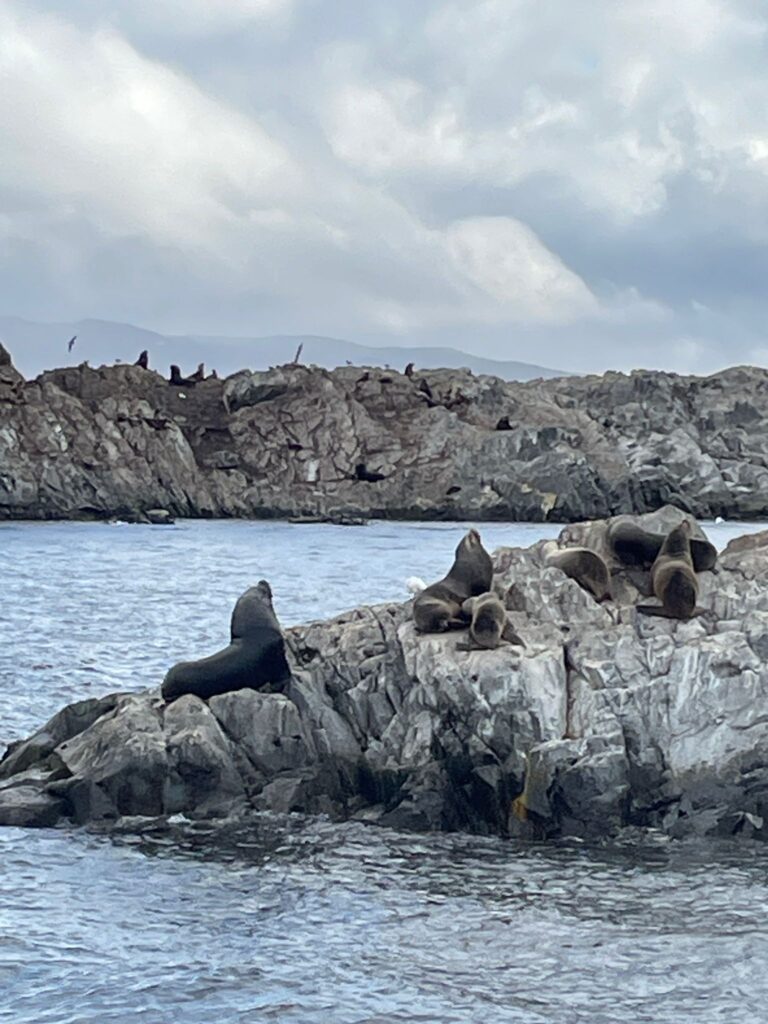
(265, 591)
(677, 545)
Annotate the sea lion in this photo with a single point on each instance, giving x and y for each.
(369, 476)
(636, 546)
(587, 568)
(177, 380)
(254, 658)
(143, 360)
(199, 375)
(426, 390)
(673, 577)
(489, 627)
(439, 606)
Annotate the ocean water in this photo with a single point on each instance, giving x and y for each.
(300, 920)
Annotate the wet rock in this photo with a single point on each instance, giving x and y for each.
(29, 807)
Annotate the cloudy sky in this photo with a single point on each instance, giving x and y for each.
(583, 186)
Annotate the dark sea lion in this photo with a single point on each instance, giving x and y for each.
(426, 390)
(178, 381)
(673, 577)
(636, 546)
(703, 554)
(369, 476)
(254, 658)
(587, 568)
(489, 627)
(199, 375)
(633, 545)
(439, 606)
(143, 360)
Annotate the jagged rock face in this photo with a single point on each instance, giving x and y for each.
(11, 382)
(605, 719)
(299, 441)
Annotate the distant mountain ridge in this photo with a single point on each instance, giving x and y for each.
(39, 346)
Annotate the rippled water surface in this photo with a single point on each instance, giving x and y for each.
(295, 920)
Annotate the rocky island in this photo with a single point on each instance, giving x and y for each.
(301, 441)
(605, 720)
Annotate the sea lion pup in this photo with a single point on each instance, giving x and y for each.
(254, 658)
(489, 627)
(587, 568)
(673, 577)
(438, 607)
(634, 545)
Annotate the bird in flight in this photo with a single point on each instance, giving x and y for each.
(71, 344)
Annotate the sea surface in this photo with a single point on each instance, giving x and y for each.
(301, 921)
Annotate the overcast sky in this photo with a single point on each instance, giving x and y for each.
(584, 186)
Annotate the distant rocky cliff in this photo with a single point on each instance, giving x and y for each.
(296, 440)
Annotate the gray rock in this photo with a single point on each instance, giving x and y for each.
(311, 443)
(29, 807)
(606, 720)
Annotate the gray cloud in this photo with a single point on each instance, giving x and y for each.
(503, 176)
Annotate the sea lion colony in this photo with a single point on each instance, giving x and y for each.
(462, 600)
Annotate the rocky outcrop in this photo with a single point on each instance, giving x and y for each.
(302, 441)
(606, 719)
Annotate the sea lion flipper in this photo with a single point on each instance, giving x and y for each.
(654, 609)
